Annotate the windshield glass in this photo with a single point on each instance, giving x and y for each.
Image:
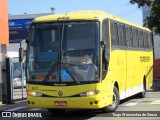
(64, 52)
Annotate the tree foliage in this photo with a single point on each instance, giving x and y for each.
(141, 2)
(152, 21)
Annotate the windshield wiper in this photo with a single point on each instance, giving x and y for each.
(51, 71)
(70, 73)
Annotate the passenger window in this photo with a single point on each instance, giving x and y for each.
(141, 44)
(130, 38)
(121, 35)
(135, 38)
(114, 34)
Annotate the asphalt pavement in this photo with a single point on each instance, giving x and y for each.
(155, 87)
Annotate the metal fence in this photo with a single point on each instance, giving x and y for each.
(17, 79)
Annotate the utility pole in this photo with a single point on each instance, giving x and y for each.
(4, 79)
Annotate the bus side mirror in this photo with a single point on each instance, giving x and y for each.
(22, 50)
(103, 44)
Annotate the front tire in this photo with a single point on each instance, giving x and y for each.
(115, 103)
(143, 93)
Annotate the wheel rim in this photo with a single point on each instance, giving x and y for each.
(114, 99)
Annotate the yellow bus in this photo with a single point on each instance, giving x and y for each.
(86, 60)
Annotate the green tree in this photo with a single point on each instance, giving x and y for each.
(141, 2)
(152, 21)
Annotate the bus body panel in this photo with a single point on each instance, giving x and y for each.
(68, 96)
(129, 69)
(118, 68)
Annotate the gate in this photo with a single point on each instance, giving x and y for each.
(17, 79)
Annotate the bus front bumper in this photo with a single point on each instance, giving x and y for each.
(92, 102)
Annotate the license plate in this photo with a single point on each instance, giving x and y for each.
(60, 103)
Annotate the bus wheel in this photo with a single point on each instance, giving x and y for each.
(56, 111)
(115, 103)
(143, 93)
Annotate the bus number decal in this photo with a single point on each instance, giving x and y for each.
(43, 77)
(144, 58)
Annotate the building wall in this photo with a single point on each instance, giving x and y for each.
(4, 34)
(157, 46)
(156, 67)
(19, 25)
(4, 39)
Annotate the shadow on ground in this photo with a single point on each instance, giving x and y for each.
(156, 84)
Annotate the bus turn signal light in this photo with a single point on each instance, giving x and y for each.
(32, 93)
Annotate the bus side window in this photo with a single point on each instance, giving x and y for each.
(135, 38)
(146, 42)
(130, 37)
(106, 50)
(150, 40)
(124, 35)
(127, 36)
(121, 35)
(148, 37)
(141, 44)
(114, 34)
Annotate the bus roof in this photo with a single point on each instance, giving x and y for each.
(85, 15)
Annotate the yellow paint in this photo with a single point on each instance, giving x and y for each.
(125, 67)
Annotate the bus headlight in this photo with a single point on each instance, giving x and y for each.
(90, 93)
(32, 93)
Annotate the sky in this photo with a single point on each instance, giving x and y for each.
(120, 8)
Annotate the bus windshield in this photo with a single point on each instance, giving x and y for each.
(64, 52)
